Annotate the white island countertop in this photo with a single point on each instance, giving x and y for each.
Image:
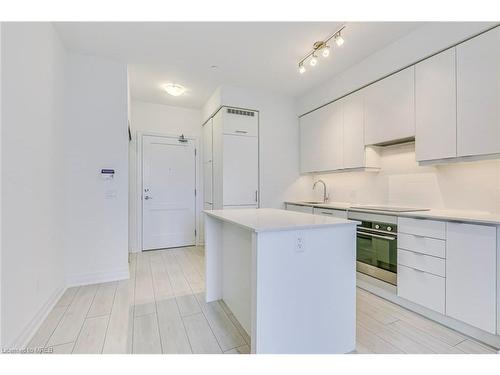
(271, 219)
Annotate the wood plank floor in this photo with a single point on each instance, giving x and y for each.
(161, 309)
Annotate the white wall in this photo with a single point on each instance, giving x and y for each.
(96, 137)
(278, 142)
(401, 181)
(422, 42)
(161, 119)
(32, 176)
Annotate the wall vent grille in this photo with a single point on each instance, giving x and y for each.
(240, 112)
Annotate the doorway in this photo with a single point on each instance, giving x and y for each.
(168, 192)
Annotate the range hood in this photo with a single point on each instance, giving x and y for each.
(394, 142)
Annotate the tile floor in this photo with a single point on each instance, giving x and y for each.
(161, 309)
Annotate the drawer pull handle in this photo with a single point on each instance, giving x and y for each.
(360, 233)
(415, 269)
(241, 131)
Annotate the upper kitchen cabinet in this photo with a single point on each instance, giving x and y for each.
(353, 131)
(321, 139)
(390, 108)
(436, 107)
(478, 95)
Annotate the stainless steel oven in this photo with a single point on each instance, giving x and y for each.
(376, 246)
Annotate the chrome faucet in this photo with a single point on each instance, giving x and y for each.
(325, 197)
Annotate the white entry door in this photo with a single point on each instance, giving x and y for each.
(168, 192)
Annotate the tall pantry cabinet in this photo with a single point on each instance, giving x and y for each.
(231, 159)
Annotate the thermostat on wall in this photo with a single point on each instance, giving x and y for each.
(107, 174)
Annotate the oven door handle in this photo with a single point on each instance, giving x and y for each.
(376, 236)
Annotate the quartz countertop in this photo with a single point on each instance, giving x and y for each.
(480, 217)
(270, 219)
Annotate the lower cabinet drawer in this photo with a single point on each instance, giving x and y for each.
(424, 245)
(330, 212)
(422, 288)
(436, 266)
(422, 227)
(299, 208)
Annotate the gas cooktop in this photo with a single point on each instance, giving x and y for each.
(390, 208)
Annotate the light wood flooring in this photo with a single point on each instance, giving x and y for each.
(161, 309)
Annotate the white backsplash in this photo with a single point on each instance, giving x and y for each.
(401, 181)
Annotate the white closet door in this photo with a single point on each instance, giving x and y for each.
(478, 95)
(241, 174)
(207, 163)
(436, 107)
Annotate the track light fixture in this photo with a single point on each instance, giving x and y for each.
(314, 60)
(323, 47)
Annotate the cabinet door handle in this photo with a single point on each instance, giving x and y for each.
(241, 131)
(256, 195)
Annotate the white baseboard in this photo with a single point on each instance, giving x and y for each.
(78, 280)
(32, 327)
(98, 277)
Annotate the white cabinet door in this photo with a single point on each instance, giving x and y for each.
(478, 95)
(334, 135)
(436, 107)
(207, 163)
(421, 287)
(240, 122)
(311, 148)
(240, 170)
(321, 139)
(390, 108)
(353, 131)
(471, 274)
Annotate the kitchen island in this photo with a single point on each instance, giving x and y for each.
(288, 277)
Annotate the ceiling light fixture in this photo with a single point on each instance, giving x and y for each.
(174, 89)
(322, 46)
(326, 51)
(339, 40)
(313, 61)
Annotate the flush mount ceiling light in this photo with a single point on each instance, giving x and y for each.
(174, 89)
(323, 47)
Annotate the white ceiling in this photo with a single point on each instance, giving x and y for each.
(256, 55)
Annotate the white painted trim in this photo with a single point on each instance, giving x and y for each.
(98, 277)
(32, 327)
(138, 197)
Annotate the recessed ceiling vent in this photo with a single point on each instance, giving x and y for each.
(240, 112)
